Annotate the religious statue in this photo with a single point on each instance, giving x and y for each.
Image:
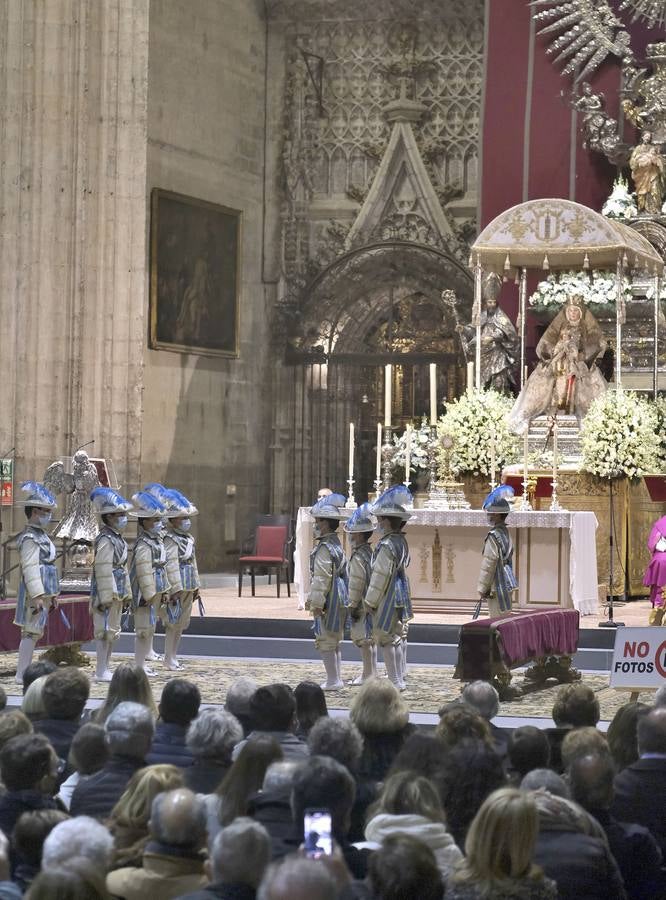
(566, 377)
(499, 340)
(647, 170)
(80, 522)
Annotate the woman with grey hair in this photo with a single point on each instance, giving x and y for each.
(211, 739)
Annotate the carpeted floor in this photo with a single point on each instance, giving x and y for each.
(428, 688)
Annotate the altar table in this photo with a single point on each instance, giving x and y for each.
(491, 647)
(56, 632)
(555, 558)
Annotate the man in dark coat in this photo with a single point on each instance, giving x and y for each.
(29, 770)
(179, 705)
(64, 696)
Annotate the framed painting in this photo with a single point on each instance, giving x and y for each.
(194, 275)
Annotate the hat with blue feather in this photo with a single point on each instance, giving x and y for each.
(361, 520)
(497, 502)
(329, 507)
(107, 501)
(178, 505)
(393, 502)
(36, 494)
(163, 494)
(147, 506)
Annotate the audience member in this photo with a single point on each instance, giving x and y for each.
(32, 704)
(582, 742)
(622, 734)
(310, 707)
(12, 723)
(422, 753)
(458, 722)
(3, 699)
(173, 861)
(640, 788)
(88, 753)
(79, 838)
(528, 749)
(129, 734)
(237, 701)
(64, 695)
(79, 881)
(573, 851)
(404, 867)
(575, 706)
(211, 739)
(409, 805)
(128, 822)
(635, 850)
(239, 857)
(28, 836)
(482, 697)
(499, 852)
(273, 713)
(178, 707)
(382, 716)
(659, 697)
(243, 779)
(471, 770)
(29, 769)
(298, 879)
(546, 780)
(271, 806)
(131, 683)
(36, 670)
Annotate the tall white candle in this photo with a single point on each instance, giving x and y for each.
(525, 452)
(408, 453)
(555, 450)
(433, 393)
(351, 450)
(378, 475)
(470, 377)
(387, 395)
(493, 461)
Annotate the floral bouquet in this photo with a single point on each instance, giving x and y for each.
(621, 203)
(418, 448)
(474, 422)
(619, 437)
(600, 290)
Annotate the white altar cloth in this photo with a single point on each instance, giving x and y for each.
(555, 556)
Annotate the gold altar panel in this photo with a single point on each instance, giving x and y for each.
(643, 512)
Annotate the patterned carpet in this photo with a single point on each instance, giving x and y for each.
(428, 688)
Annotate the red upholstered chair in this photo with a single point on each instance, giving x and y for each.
(270, 552)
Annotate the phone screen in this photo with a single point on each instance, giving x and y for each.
(317, 833)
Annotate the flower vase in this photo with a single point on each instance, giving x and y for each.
(420, 487)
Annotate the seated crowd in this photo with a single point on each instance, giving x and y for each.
(179, 801)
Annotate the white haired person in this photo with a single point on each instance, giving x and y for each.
(148, 576)
(182, 573)
(110, 585)
(388, 598)
(359, 527)
(39, 585)
(329, 596)
(497, 581)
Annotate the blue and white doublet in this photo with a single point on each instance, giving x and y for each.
(388, 597)
(183, 576)
(110, 584)
(329, 594)
(496, 579)
(360, 570)
(148, 579)
(39, 583)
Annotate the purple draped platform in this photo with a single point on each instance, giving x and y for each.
(76, 609)
(490, 646)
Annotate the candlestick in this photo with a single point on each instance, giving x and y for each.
(525, 505)
(408, 453)
(387, 394)
(470, 377)
(351, 450)
(378, 468)
(351, 501)
(433, 393)
(493, 461)
(387, 456)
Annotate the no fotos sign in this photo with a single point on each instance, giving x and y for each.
(639, 659)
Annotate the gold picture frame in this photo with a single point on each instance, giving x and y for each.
(195, 254)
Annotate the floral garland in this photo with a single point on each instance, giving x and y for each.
(556, 289)
(418, 451)
(471, 421)
(619, 436)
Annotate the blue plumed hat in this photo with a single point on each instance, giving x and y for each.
(107, 501)
(329, 507)
(497, 502)
(179, 505)
(36, 494)
(147, 506)
(393, 502)
(360, 520)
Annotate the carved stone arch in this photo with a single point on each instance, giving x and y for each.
(654, 232)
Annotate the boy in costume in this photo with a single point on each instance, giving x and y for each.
(182, 573)
(388, 597)
(39, 585)
(110, 585)
(360, 526)
(329, 598)
(497, 581)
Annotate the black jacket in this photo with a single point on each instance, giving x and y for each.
(272, 809)
(97, 794)
(640, 797)
(580, 865)
(205, 775)
(222, 891)
(14, 803)
(637, 854)
(59, 732)
(169, 746)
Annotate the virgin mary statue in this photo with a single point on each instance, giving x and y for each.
(566, 378)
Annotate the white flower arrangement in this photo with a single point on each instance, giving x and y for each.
(471, 422)
(619, 436)
(418, 448)
(659, 408)
(556, 289)
(621, 203)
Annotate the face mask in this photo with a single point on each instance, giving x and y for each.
(316, 530)
(44, 520)
(156, 529)
(185, 525)
(121, 522)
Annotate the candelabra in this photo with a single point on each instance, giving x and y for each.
(554, 502)
(432, 462)
(351, 502)
(387, 457)
(525, 504)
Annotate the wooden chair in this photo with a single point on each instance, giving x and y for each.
(271, 551)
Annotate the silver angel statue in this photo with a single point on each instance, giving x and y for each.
(80, 522)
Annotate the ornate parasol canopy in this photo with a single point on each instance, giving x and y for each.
(560, 234)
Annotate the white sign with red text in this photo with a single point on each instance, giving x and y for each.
(639, 658)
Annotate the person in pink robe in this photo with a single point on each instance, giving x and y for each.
(655, 574)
